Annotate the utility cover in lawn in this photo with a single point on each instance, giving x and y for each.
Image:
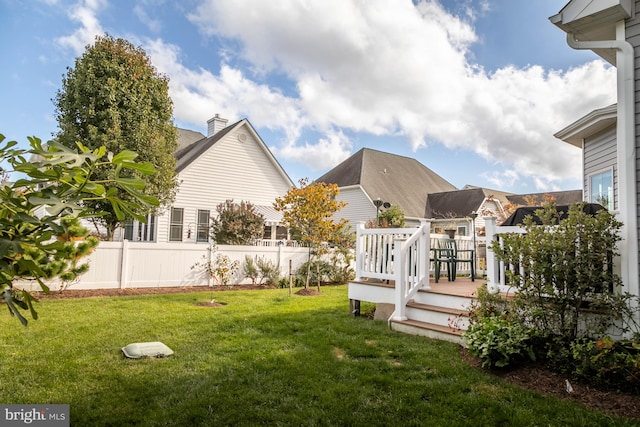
(146, 349)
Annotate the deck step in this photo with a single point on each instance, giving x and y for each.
(373, 282)
(416, 327)
(453, 311)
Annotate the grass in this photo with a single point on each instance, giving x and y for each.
(265, 358)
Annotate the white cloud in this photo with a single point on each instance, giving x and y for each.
(327, 152)
(380, 67)
(199, 94)
(152, 24)
(392, 68)
(84, 12)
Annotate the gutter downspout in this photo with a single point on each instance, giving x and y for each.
(626, 151)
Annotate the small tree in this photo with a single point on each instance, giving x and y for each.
(115, 98)
(218, 268)
(236, 224)
(40, 211)
(308, 212)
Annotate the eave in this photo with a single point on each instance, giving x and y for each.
(591, 20)
(588, 125)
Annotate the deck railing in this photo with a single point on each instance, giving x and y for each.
(398, 254)
(496, 270)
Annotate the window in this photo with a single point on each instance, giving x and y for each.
(281, 233)
(601, 188)
(140, 232)
(203, 226)
(175, 225)
(462, 230)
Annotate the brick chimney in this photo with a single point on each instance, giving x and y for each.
(215, 125)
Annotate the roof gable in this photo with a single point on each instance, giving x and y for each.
(191, 152)
(399, 180)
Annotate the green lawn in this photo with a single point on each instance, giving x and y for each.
(265, 358)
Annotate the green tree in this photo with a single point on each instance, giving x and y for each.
(236, 224)
(40, 211)
(115, 98)
(308, 212)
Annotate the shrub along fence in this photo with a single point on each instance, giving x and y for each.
(125, 264)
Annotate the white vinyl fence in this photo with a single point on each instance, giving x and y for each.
(115, 265)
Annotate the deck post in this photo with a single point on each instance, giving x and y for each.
(400, 273)
(425, 260)
(493, 281)
(359, 251)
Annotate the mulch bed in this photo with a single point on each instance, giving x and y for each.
(537, 378)
(88, 293)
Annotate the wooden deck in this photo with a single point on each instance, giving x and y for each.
(462, 286)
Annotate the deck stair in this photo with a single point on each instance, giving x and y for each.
(395, 269)
(437, 313)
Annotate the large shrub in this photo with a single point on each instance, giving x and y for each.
(562, 271)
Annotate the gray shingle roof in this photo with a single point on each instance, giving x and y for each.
(561, 197)
(454, 204)
(399, 180)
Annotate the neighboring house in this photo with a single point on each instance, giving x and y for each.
(609, 136)
(369, 175)
(231, 162)
(454, 209)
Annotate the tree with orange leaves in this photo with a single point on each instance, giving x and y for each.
(308, 213)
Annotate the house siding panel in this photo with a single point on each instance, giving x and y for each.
(230, 169)
(632, 31)
(359, 206)
(600, 153)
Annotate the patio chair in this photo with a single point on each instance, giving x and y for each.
(449, 254)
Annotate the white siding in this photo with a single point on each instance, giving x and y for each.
(359, 207)
(599, 153)
(633, 37)
(230, 169)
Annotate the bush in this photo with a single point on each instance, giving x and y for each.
(493, 335)
(250, 269)
(562, 273)
(608, 364)
(498, 341)
(269, 272)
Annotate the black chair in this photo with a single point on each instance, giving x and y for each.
(449, 254)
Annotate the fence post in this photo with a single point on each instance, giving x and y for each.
(124, 263)
(493, 281)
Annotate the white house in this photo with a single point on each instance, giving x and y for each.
(231, 162)
(609, 137)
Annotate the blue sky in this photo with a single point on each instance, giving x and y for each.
(473, 89)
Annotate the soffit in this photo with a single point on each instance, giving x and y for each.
(592, 20)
